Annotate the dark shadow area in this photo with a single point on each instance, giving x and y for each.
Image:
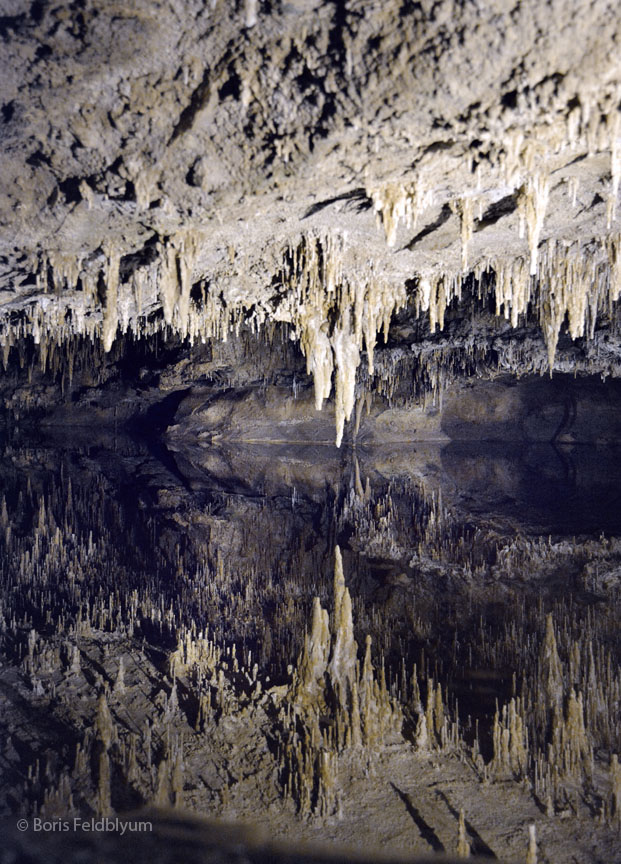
(445, 215)
(496, 211)
(545, 488)
(357, 198)
(427, 832)
(560, 409)
(477, 844)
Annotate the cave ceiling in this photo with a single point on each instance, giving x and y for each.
(235, 234)
(196, 167)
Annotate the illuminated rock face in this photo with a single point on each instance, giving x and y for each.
(194, 170)
(252, 230)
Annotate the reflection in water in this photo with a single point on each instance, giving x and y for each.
(534, 488)
(542, 488)
(152, 603)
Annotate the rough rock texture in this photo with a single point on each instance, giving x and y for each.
(233, 235)
(319, 164)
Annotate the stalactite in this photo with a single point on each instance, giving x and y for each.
(464, 207)
(119, 684)
(309, 684)
(532, 203)
(111, 315)
(421, 736)
(334, 311)
(163, 793)
(551, 670)
(396, 202)
(578, 281)
(318, 290)
(615, 791)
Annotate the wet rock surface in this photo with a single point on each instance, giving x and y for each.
(309, 509)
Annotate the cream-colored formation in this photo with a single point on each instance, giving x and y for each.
(320, 289)
(577, 281)
(335, 295)
(328, 683)
(573, 277)
(71, 308)
(396, 202)
(532, 202)
(334, 311)
(334, 305)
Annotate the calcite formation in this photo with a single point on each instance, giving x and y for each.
(233, 235)
(228, 173)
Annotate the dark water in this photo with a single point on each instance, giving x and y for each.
(241, 540)
(532, 488)
(536, 489)
(543, 488)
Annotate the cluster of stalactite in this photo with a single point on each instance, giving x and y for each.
(335, 311)
(409, 520)
(566, 710)
(577, 281)
(336, 299)
(519, 162)
(39, 379)
(421, 373)
(566, 692)
(334, 304)
(573, 280)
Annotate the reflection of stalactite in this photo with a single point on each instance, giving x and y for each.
(615, 169)
(357, 704)
(547, 731)
(558, 730)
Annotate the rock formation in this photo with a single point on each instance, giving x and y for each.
(233, 236)
(183, 170)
